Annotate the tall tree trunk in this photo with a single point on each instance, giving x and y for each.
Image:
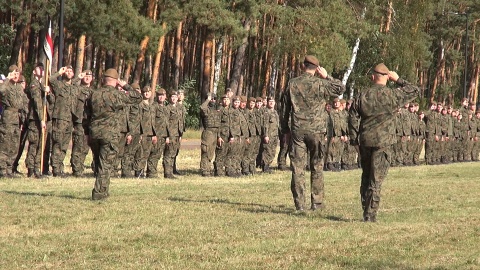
(80, 54)
(207, 63)
(178, 55)
(137, 73)
(88, 53)
(239, 59)
(17, 45)
(128, 70)
(158, 57)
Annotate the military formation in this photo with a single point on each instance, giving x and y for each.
(129, 129)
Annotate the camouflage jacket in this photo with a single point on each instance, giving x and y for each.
(304, 103)
(210, 115)
(161, 120)
(35, 100)
(176, 120)
(232, 124)
(376, 108)
(271, 123)
(14, 103)
(106, 105)
(147, 124)
(65, 98)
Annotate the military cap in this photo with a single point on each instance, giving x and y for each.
(243, 98)
(250, 99)
(381, 69)
(270, 98)
(161, 91)
(420, 112)
(13, 68)
(411, 105)
(259, 99)
(235, 98)
(213, 96)
(350, 101)
(181, 91)
(448, 107)
(69, 67)
(228, 90)
(433, 103)
(471, 103)
(173, 93)
(135, 85)
(39, 64)
(224, 96)
(88, 72)
(21, 78)
(146, 88)
(336, 100)
(112, 73)
(478, 111)
(343, 101)
(311, 59)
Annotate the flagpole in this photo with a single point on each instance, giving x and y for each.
(44, 129)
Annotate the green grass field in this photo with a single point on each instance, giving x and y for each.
(429, 219)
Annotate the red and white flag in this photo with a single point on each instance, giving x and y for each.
(48, 46)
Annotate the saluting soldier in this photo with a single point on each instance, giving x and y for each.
(210, 116)
(305, 119)
(107, 105)
(12, 99)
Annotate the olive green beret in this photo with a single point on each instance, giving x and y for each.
(381, 69)
(112, 73)
(311, 59)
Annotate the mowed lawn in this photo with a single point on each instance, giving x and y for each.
(429, 219)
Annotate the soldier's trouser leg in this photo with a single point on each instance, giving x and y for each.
(47, 149)
(129, 156)
(61, 135)
(79, 149)
(375, 165)
(269, 151)
(207, 148)
(282, 154)
(255, 148)
(220, 157)
(140, 163)
(316, 145)
(247, 157)
(234, 156)
(21, 144)
(121, 144)
(32, 161)
(154, 157)
(106, 152)
(9, 141)
(169, 156)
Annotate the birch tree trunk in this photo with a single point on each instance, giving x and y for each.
(218, 66)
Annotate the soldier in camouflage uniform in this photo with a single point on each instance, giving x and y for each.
(476, 141)
(269, 135)
(252, 137)
(260, 110)
(284, 141)
(161, 122)
(80, 125)
(222, 148)
(106, 105)
(24, 127)
(472, 136)
(337, 137)
(210, 117)
(305, 119)
(176, 120)
(376, 107)
(420, 137)
(37, 121)
(181, 97)
(129, 146)
(147, 128)
(65, 95)
(12, 99)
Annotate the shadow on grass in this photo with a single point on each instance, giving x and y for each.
(45, 195)
(257, 208)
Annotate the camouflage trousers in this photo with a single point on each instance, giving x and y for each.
(335, 150)
(269, 150)
(250, 155)
(79, 149)
(130, 151)
(349, 157)
(284, 149)
(315, 144)
(171, 150)
(9, 141)
(61, 135)
(207, 150)
(417, 150)
(34, 150)
(104, 152)
(21, 143)
(375, 164)
(121, 144)
(140, 162)
(48, 148)
(475, 150)
(228, 157)
(156, 154)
